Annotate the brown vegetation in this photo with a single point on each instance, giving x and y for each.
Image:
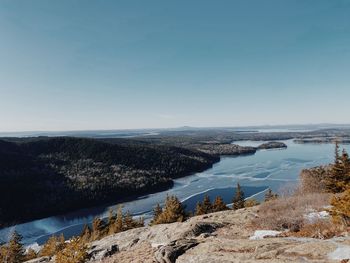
(269, 196)
(251, 202)
(313, 180)
(52, 246)
(341, 208)
(321, 229)
(238, 200)
(13, 252)
(173, 211)
(289, 212)
(74, 252)
(313, 194)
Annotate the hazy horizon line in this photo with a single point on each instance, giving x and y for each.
(177, 127)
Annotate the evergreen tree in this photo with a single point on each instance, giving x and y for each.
(251, 202)
(119, 221)
(86, 234)
(238, 200)
(30, 254)
(52, 246)
(270, 195)
(97, 229)
(219, 204)
(141, 222)
(3, 253)
(206, 205)
(128, 221)
(61, 242)
(345, 184)
(111, 217)
(14, 251)
(157, 210)
(336, 152)
(199, 209)
(339, 178)
(173, 211)
(341, 208)
(74, 252)
(111, 223)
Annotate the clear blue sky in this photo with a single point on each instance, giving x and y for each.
(70, 65)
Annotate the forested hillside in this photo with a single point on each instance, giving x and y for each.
(45, 176)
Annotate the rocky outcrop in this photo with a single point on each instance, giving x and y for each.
(220, 237)
(167, 241)
(40, 260)
(169, 253)
(272, 145)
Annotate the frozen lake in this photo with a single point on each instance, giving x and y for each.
(256, 173)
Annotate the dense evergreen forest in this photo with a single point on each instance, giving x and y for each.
(43, 176)
(46, 176)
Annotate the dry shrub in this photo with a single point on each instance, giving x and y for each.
(313, 180)
(322, 229)
(74, 252)
(341, 208)
(251, 202)
(289, 212)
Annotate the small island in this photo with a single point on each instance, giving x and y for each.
(224, 149)
(272, 145)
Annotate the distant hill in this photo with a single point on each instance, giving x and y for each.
(45, 176)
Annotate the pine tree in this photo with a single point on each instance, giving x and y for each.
(14, 251)
(30, 254)
(251, 202)
(141, 222)
(157, 211)
(61, 242)
(119, 221)
(97, 229)
(207, 206)
(238, 200)
(339, 178)
(111, 217)
(270, 195)
(219, 204)
(3, 253)
(345, 184)
(336, 152)
(111, 223)
(173, 211)
(199, 209)
(74, 252)
(341, 208)
(53, 245)
(128, 221)
(86, 234)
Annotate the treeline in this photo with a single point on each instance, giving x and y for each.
(75, 251)
(319, 207)
(175, 211)
(338, 183)
(45, 176)
(333, 179)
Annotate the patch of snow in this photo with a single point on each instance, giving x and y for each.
(328, 207)
(35, 246)
(260, 234)
(314, 216)
(342, 252)
(157, 245)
